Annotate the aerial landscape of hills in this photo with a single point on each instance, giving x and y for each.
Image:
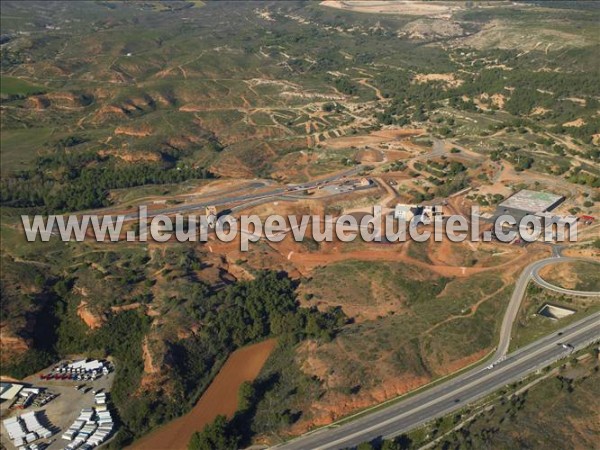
(296, 108)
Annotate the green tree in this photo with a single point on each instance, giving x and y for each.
(215, 436)
(246, 396)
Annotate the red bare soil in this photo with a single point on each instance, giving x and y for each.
(221, 398)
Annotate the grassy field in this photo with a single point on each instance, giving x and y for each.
(374, 283)
(16, 86)
(20, 147)
(530, 326)
(428, 327)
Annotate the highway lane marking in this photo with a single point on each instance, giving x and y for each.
(552, 336)
(544, 342)
(491, 389)
(459, 390)
(529, 273)
(512, 310)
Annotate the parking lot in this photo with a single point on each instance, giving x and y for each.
(62, 410)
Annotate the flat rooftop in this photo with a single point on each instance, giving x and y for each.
(532, 201)
(8, 391)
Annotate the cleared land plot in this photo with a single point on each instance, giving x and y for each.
(376, 137)
(219, 399)
(577, 275)
(412, 8)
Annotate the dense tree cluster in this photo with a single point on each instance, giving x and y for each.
(244, 312)
(409, 101)
(346, 86)
(453, 185)
(553, 85)
(215, 436)
(520, 160)
(565, 96)
(77, 181)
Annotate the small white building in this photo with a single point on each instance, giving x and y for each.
(433, 210)
(404, 212)
(93, 365)
(78, 364)
(8, 391)
(417, 213)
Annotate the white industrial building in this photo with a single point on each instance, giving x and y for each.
(25, 429)
(8, 391)
(527, 202)
(92, 427)
(404, 212)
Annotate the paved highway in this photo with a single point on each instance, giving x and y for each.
(247, 197)
(530, 272)
(221, 198)
(439, 400)
(449, 396)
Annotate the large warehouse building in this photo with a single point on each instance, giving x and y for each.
(8, 391)
(529, 202)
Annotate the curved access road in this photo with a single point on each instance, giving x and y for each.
(403, 415)
(442, 399)
(545, 284)
(531, 272)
